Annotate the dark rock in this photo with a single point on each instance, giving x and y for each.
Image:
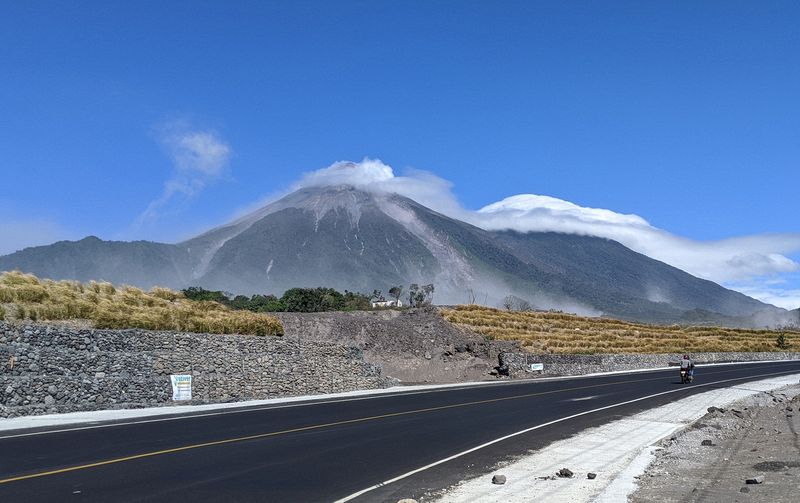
(565, 473)
(707, 442)
(775, 466)
(591, 476)
(499, 479)
(744, 490)
(758, 479)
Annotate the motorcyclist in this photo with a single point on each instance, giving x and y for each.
(688, 364)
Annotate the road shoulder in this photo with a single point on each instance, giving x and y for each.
(755, 438)
(617, 452)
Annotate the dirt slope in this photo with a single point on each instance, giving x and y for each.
(414, 346)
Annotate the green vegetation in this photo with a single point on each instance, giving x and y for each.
(420, 295)
(310, 300)
(553, 332)
(26, 297)
(295, 300)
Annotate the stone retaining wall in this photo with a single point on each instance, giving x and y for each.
(518, 364)
(62, 369)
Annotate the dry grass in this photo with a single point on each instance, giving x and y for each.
(546, 332)
(26, 297)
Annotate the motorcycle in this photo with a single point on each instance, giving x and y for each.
(687, 376)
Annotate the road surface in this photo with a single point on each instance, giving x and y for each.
(326, 450)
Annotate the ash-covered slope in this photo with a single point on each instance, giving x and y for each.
(337, 237)
(351, 239)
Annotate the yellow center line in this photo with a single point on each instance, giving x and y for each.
(316, 427)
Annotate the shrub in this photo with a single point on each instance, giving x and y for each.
(197, 293)
(164, 293)
(6, 294)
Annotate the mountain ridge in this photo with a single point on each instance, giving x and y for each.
(347, 238)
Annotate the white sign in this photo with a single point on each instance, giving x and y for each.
(181, 387)
(537, 366)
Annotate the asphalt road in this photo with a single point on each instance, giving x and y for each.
(327, 450)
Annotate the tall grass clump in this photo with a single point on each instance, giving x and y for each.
(551, 332)
(26, 297)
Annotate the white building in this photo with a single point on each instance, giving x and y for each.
(387, 303)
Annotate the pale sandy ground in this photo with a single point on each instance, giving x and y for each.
(756, 436)
(617, 452)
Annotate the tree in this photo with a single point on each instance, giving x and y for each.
(419, 296)
(240, 302)
(413, 292)
(514, 303)
(427, 292)
(781, 342)
(377, 295)
(199, 293)
(354, 301)
(266, 303)
(396, 292)
(300, 300)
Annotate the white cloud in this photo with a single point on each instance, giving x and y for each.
(531, 202)
(733, 261)
(724, 260)
(365, 173)
(372, 174)
(772, 291)
(199, 158)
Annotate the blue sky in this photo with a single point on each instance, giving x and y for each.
(686, 114)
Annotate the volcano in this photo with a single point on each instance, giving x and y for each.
(351, 239)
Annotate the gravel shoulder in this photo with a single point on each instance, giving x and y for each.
(754, 438)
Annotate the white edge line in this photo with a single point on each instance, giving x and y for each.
(527, 430)
(243, 407)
